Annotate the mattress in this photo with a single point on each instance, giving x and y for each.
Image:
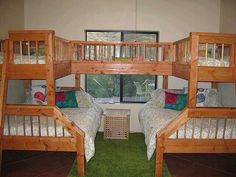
(153, 120)
(25, 60)
(202, 61)
(87, 119)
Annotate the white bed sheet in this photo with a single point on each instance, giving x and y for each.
(202, 61)
(153, 119)
(25, 60)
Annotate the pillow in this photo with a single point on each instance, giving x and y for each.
(158, 98)
(84, 100)
(212, 98)
(38, 94)
(201, 97)
(66, 99)
(175, 101)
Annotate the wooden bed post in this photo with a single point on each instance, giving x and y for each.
(165, 82)
(3, 95)
(50, 80)
(159, 156)
(77, 80)
(80, 155)
(192, 84)
(214, 85)
(234, 49)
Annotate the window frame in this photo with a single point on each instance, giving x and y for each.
(123, 32)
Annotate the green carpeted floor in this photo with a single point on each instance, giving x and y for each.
(120, 158)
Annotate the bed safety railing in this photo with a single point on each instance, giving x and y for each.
(42, 128)
(29, 52)
(182, 51)
(121, 51)
(198, 130)
(61, 49)
(214, 50)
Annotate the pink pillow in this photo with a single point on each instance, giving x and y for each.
(60, 96)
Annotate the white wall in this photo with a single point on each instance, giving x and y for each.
(228, 25)
(173, 18)
(12, 18)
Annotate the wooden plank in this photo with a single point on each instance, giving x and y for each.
(165, 82)
(39, 143)
(50, 80)
(29, 35)
(101, 67)
(77, 80)
(215, 74)
(217, 39)
(80, 155)
(62, 68)
(192, 84)
(181, 70)
(26, 71)
(159, 156)
(212, 112)
(29, 110)
(200, 146)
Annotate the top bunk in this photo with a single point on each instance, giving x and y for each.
(204, 56)
(209, 57)
(96, 57)
(35, 54)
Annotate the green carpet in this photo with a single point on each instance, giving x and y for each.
(120, 158)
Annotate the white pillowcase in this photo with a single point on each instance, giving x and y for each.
(211, 97)
(84, 100)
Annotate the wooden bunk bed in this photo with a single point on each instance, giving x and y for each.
(214, 69)
(50, 61)
(199, 57)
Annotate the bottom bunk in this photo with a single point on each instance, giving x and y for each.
(48, 128)
(193, 130)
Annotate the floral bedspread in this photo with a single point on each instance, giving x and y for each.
(152, 120)
(88, 120)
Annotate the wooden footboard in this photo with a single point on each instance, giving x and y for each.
(198, 130)
(42, 128)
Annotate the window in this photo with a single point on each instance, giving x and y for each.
(121, 88)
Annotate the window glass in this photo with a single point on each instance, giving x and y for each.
(124, 88)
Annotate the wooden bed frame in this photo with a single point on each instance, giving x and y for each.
(63, 57)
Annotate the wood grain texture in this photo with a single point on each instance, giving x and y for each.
(26, 71)
(50, 80)
(192, 84)
(181, 70)
(100, 67)
(64, 57)
(39, 143)
(215, 74)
